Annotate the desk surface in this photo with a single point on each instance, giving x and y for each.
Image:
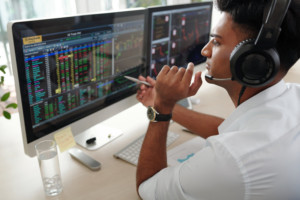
(20, 176)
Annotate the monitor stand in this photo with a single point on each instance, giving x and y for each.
(103, 135)
(186, 103)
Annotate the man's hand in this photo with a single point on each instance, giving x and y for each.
(174, 84)
(146, 94)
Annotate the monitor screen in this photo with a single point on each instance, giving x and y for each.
(177, 34)
(68, 68)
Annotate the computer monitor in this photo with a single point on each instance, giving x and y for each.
(177, 34)
(69, 72)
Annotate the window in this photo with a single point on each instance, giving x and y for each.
(26, 9)
(144, 3)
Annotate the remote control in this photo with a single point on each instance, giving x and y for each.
(85, 159)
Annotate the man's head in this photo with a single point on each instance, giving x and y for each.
(242, 20)
(248, 18)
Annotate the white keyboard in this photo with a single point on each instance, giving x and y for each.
(132, 151)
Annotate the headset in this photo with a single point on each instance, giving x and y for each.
(255, 62)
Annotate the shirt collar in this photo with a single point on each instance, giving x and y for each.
(258, 99)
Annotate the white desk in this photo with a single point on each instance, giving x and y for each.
(20, 176)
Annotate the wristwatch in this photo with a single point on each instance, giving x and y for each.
(154, 116)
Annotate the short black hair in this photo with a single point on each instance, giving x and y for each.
(249, 16)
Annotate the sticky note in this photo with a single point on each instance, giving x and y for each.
(64, 139)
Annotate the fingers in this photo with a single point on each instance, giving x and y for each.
(173, 73)
(188, 74)
(139, 97)
(141, 78)
(164, 70)
(196, 84)
(140, 94)
(177, 75)
(151, 81)
(170, 85)
(146, 94)
(173, 70)
(147, 79)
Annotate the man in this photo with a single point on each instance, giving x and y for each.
(255, 152)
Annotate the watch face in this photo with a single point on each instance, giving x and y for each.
(150, 114)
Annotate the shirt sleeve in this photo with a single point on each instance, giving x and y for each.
(211, 173)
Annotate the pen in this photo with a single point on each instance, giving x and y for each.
(138, 81)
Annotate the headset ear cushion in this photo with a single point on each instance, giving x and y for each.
(252, 66)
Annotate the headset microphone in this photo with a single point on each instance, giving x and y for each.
(217, 79)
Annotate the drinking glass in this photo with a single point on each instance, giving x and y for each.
(46, 152)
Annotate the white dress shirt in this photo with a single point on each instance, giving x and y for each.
(256, 155)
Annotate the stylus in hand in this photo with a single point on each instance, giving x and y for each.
(138, 81)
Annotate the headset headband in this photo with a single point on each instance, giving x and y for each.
(270, 29)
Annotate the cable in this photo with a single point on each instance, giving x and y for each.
(241, 94)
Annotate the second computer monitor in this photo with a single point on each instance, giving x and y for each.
(177, 34)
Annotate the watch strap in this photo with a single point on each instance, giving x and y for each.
(163, 117)
(159, 117)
